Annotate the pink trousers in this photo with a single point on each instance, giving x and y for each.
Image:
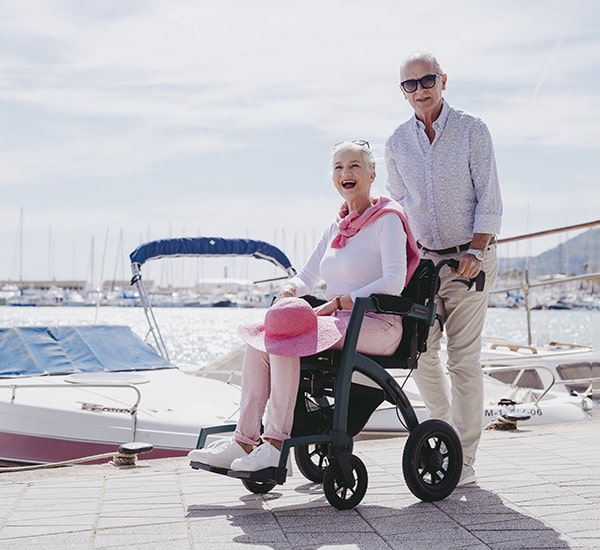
(274, 379)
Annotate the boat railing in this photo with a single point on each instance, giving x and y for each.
(526, 285)
(514, 347)
(522, 369)
(131, 410)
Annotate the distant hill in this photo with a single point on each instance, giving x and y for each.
(576, 256)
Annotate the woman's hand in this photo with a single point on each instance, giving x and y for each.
(336, 304)
(288, 290)
(328, 308)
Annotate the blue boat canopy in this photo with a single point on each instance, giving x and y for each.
(35, 351)
(209, 246)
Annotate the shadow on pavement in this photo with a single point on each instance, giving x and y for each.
(469, 518)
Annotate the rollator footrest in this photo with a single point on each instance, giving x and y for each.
(275, 474)
(214, 469)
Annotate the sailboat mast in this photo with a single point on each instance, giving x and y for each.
(21, 252)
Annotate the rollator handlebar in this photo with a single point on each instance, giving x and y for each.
(478, 281)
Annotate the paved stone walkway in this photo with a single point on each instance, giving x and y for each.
(538, 487)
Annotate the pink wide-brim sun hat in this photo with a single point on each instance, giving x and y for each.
(293, 329)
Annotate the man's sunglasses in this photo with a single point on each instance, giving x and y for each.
(427, 82)
(359, 142)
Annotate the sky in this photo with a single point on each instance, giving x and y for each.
(124, 122)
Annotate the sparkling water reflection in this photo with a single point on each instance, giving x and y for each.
(197, 336)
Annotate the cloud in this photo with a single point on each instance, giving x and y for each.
(178, 106)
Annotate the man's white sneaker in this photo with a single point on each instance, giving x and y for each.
(263, 456)
(219, 453)
(467, 476)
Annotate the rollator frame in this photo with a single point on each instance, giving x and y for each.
(433, 468)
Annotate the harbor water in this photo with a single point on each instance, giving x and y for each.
(197, 336)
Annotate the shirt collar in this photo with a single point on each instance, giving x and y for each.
(440, 122)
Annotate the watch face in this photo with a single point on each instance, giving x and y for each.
(479, 254)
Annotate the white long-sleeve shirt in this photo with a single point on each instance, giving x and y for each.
(373, 261)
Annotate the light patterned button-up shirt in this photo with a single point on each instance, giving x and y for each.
(449, 189)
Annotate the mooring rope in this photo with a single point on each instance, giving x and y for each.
(118, 459)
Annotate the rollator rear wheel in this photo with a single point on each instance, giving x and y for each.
(312, 460)
(337, 492)
(258, 487)
(432, 460)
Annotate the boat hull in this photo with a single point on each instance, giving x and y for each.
(53, 420)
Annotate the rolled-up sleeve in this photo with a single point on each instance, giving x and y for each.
(484, 173)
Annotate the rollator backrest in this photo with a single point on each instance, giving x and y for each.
(420, 289)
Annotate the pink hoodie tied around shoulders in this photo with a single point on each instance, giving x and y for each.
(350, 223)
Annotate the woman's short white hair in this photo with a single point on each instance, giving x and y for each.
(356, 145)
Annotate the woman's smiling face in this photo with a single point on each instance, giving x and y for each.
(352, 174)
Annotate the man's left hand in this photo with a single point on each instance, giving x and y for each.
(469, 266)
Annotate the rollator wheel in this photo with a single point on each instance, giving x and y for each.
(432, 460)
(312, 460)
(340, 495)
(258, 487)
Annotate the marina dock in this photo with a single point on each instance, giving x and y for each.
(538, 487)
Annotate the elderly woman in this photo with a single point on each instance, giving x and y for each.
(368, 249)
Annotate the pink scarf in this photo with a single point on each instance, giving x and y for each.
(350, 223)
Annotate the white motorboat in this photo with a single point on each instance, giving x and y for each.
(555, 366)
(74, 391)
(68, 392)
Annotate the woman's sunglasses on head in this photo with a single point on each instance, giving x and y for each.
(359, 142)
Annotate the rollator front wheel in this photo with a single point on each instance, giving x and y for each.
(337, 492)
(312, 460)
(432, 460)
(258, 487)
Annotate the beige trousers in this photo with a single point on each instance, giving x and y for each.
(456, 396)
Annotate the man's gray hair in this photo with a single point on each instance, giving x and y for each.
(422, 55)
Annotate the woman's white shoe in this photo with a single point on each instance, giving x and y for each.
(219, 454)
(263, 456)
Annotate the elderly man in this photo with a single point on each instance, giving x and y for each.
(441, 168)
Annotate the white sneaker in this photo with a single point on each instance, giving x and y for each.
(218, 453)
(263, 456)
(467, 476)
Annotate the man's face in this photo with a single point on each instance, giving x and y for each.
(425, 102)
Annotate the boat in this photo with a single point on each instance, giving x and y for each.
(74, 391)
(561, 367)
(68, 392)
(522, 384)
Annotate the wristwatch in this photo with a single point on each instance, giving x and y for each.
(479, 254)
